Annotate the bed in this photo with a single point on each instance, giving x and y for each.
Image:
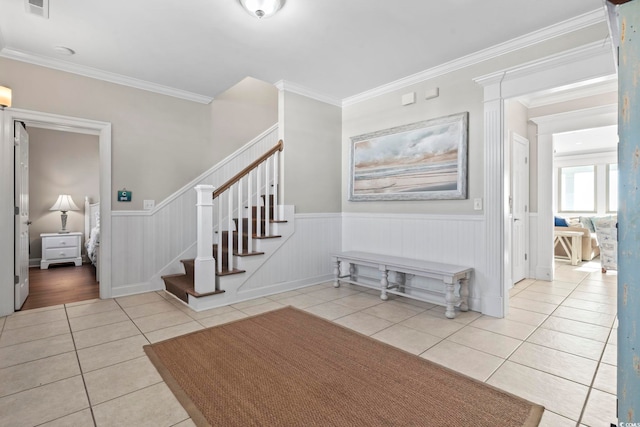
(92, 233)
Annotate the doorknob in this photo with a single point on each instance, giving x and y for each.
(28, 222)
(516, 219)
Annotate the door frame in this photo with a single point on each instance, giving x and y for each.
(67, 124)
(525, 219)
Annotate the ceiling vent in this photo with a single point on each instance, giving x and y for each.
(37, 7)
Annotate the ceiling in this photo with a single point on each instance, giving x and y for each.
(338, 48)
(596, 140)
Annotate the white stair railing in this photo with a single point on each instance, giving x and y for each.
(245, 189)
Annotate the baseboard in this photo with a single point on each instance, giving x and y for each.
(543, 273)
(231, 297)
(492, 306)
(133, 289)
(284, 287)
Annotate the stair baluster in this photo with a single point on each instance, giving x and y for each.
(250, 213)
(240, 223)
(219, 246)
(267, 225)
(230, 228)
(276, 163)
(258, 190)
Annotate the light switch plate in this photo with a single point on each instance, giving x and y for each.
(147, 205)
(477, 204)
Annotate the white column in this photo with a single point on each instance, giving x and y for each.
(205, 268)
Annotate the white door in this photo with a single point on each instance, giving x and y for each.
(520, 206)
(22, 222)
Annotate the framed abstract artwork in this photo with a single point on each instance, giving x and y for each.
(420, 161)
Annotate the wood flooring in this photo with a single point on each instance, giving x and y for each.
(61, 284)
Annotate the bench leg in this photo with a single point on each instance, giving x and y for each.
(450, 299)
(464, 294)
(384, 282)
(336, 272)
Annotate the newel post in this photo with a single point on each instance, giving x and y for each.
(205, 265)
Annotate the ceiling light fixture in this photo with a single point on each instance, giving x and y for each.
(262, 8)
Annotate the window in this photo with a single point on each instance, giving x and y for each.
(578, 189)
(612, 187)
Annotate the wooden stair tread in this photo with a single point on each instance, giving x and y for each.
(229, 272)
(180, 285)
(243, 254)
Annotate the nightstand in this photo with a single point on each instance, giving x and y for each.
(58, 248)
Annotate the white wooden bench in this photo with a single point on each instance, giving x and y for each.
(405, 269)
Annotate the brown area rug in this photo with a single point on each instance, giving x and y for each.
(291, 368)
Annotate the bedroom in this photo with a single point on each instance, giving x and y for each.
(60, 163)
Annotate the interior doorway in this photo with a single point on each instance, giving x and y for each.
(74, 125)
(60, 163)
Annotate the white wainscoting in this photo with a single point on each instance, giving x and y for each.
(303, 260)
(145, 243)
(453, 239)
(540, 265)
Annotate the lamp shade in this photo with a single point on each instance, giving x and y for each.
(64, 204)
(5, 97)
(261, 8)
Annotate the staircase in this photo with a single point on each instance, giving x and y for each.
(238, 226)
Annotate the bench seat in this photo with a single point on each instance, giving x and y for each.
(405, 268)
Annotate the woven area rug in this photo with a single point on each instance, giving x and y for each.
(291, 368)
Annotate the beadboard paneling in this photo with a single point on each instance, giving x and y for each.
(453, 239)
(146, 242)
(304, 256)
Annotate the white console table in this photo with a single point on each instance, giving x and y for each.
(61, 247)
(571, 241)
(449, 274)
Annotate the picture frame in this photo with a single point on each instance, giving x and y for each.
(426, 160)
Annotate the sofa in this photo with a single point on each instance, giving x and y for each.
(590, 248)
(587, 225)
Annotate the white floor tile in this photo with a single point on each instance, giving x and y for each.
(556, 362)
(474, 363)
(498, 345)
(557, 394)
(600, 409)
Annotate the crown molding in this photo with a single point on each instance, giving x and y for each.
(556, 30)
(106, 76)
(587, 51)
(608, 85)
(288, 86)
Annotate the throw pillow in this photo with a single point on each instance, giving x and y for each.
(587, 223)
(560, 222)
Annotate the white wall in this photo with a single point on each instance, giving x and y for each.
(311, 132)
(158, 142)
(241, 113)
(59, 163)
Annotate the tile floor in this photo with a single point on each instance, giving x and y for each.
(82, 364)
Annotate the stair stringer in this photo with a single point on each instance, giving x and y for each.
(232, 284)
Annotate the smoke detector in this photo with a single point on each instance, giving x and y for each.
(37, 7)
